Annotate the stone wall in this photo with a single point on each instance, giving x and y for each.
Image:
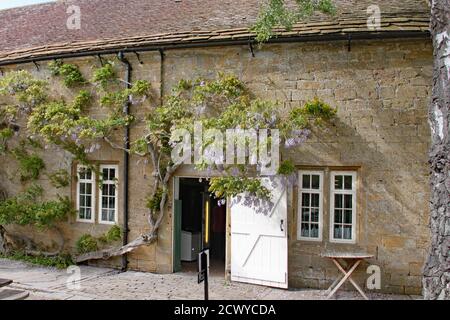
(381, 89)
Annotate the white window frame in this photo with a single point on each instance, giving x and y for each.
(352, 192)
(299, 204)
(93, 196)
(100, 202)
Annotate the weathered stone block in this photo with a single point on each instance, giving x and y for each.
(387, 92)
(390, 242)
(413, 290)
(303, 95)
(345, 94)
(308, 85)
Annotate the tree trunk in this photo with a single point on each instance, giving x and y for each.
(436, 273)
(3, 244)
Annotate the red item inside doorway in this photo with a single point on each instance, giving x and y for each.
(219, 219)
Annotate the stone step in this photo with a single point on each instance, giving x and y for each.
(5, 282)
(13, 294)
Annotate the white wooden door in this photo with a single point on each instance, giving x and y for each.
(259, 242)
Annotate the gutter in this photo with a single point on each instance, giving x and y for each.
(205, 44)
(126, 160)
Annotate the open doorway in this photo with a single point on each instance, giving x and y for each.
(200, 222)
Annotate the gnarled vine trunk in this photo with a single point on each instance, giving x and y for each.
(436, 277)
(27, 245)
(33, 252)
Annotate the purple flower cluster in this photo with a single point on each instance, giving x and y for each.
(261, 206)
(298, 137)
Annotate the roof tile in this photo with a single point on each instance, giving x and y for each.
(39, 30)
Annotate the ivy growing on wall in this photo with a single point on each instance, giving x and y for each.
(27, 209)
(276, 13)
(70, 73)
(88, 243)
(104, 75)
(30, 165)
(60, 261)
(60, 178)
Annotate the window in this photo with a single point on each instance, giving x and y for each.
(108, 201)
(310, 205)
(343, 206)
(85, 194)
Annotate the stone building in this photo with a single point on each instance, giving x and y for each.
(366, 178)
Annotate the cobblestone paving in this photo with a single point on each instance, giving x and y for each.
(104, 284)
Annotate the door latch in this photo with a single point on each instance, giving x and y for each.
(281, 225)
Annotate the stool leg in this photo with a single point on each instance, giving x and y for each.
(334, 284)
(361, 292)
(347, 275)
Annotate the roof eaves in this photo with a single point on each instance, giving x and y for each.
(320, 31)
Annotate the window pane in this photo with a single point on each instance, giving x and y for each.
(112, 190)
(305, 214)
(338, 182)
(314, 230)
(88, 214)
(105, 189)
(348, 182)
(111, 215)
(112, 202)
(314, 215)
(347, 232)
(338, 200)
(348, 216)
(305, 230)
(338, 232)
(88, 201)
(82, 188)
(105, 214)
(315, 183)
(81, 213)
(82, 173)
(338, 216)
(104, 202)
(112, 174)
(348, 201)
(88, 174)
(105, 174)
(306, 181)
(88, 188)
(305, 199)
(315, 200)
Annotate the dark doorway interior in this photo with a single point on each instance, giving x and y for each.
(194, 195)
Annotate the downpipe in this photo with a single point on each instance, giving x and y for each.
(126, 160)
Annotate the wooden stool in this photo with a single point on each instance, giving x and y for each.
(347, 271)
